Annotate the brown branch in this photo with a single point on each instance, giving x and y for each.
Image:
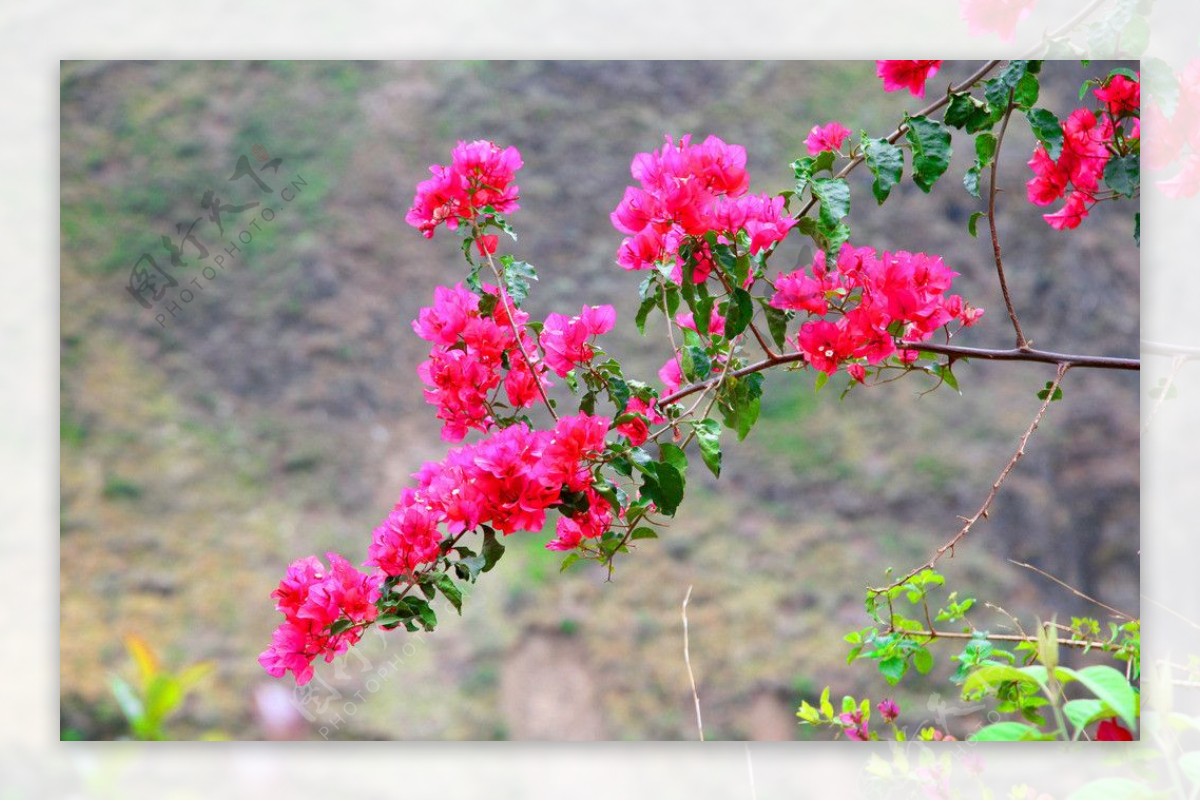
(982, 513)
(1013, 355)
(1072, 590)
(895, 135)
(1022, 342)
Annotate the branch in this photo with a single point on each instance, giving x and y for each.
(1022, 343)
(982, 513)
(962, 635)
(1012, 355)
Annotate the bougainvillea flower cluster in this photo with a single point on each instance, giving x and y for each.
(473, 353)
(684, 192)
(1089, 141)
(312, 598)
(859, 306)
(470, 351)
(910, 75)
(480, 175)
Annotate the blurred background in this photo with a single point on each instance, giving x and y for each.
(273, 412)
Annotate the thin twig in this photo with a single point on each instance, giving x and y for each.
(1022, 343)
(1072, 590)
(982, 513)
(512, 322)
(687, 660)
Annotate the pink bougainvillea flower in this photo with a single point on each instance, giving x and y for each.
(684, 191)
(1073, 212)
(486, 244)
(405, 540)
(637, 431)
(480, 175)
(313, 598)
(830, 136)
(873, 292)
(1120, 95)
(671, 374)
(889, 709)
(910, 75)
(995, 16)
(565, 340)
(1111, 730)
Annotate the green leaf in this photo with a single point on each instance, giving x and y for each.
(966, 112)
(1048, 130)
(673, 455)
(998, 89)
(1123, 175)
(946, 373)
(128, 700)
(826, 706)
(971, 180)
(989, 677)
(1110, 686)
(708, 435)
(517, 275)
(1082, 712)
(643, 312)
(694, 363)
(931, 150)
(644, 533)
(1007, 731)
(886, 162)
(808, 713)
(492, 549)
(1026, 92)
(1045, 392)
(472, 565)
(974, 222)
(740, 403)
(802, 168)
(569, 560)
(922, 660)
(738, 314)
(893, 669)
(834, 194)
(985, 148)
(423, 611)
(449, 589)
(777, 322)
(665, 487)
